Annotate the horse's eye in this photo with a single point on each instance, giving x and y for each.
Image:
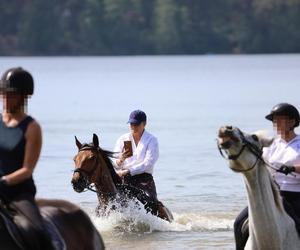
(91, 157)
(255, 137)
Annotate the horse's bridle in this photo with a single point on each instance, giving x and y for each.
(254, 149)
(88, 186)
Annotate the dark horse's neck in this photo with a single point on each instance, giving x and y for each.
(106, 155)
(107, 178)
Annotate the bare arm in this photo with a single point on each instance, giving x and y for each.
(33, 147)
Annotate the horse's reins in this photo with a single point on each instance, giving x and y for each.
(252, 148)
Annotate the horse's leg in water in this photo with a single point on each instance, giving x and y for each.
(146, 183)
(101, 211)
(241, 232)
(164, 212)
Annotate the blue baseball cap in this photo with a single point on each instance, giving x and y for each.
(137, 117)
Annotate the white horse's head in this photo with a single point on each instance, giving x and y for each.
(243, 150)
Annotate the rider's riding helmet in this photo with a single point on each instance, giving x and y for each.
(285, 109)
(17, 80)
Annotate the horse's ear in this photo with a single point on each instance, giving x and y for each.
(95, 141)
(78, 143)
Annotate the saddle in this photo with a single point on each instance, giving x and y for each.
(18, 233)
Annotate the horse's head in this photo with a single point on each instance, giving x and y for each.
(243, 150)
(86, 164)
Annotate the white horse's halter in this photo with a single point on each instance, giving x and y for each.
(254, 149)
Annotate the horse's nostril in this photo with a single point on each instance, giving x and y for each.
(226, 144)
(229, 127)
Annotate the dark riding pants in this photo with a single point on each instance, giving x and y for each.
(241, 233)
(144, 182)
(27, 217)
(291, 203)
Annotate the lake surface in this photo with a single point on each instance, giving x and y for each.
(186, 98)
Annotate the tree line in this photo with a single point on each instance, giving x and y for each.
(135, 27)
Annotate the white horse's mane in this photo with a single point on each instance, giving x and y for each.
(263, 134)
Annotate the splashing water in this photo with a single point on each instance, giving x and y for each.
(133, 219)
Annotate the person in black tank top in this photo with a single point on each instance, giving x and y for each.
(20, 146)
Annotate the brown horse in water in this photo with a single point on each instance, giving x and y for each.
(74, 226)
(93, 166)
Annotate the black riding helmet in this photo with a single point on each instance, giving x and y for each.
(17, 80)
(285, 109)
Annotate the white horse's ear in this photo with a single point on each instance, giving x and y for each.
(264, 138)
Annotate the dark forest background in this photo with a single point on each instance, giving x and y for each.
(135, 27)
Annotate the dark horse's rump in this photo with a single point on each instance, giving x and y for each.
(73, 224)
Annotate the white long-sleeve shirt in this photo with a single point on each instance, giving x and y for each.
(145, 154)
(284, 153)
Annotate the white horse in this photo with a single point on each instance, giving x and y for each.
(270, 227)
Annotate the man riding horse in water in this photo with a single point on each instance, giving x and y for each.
(136, 164)
(129, 174)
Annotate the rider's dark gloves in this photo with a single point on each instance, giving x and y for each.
(286, 169)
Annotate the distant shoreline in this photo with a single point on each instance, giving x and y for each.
(154, 55)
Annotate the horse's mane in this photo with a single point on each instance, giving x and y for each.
(106, 155)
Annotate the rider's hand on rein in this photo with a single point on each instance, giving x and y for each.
(286, 169)
(123, 172)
